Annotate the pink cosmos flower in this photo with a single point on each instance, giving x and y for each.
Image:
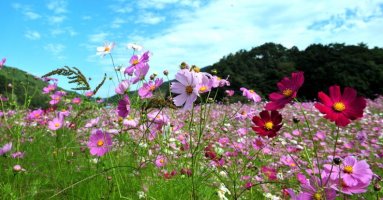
(123, 107)
(99, 143)
(288, 89)
(55, 124)
(49, 88)
(186, 88)
(351, 171)
(229, 93)
(140, 72)
(2, 62)
(55, 99)
(146, 91)
(76, 100)
(136, 61)
(122, 87)
(89, 93)
(250, 94)
(160, 161)
(35, 114)
(106, 49)
(6, 148)
(314, 190)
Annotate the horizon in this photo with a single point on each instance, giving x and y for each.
(53, 34)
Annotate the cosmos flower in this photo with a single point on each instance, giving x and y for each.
(2, 62)
(123, 107)
(55, 124)
(89, 93)
(134, 46)
(146, 91)
(6, 148)
(122, 87)
(186, 89)
(341, 108)
(351, 171)
(49, 88)
(99, 142)
(55, 99)
(76, 100)
(250, 94)
(288, 89)
(314, 190)
(35, 114)
(136, 61)
(269, 172)
(229, 93)
(160, 161)
(106, 49)
(267, 124)
(140, 72)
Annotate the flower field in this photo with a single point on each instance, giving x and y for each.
(190, 146)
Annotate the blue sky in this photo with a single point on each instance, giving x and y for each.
(40, 36)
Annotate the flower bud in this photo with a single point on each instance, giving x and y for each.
(337, 161)
(166, 72)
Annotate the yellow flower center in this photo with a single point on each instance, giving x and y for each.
(287, 92)
(162, 161)
(37, 115)
(339, 106)
(57, 124)
(152, 87)
(189, 89)
(202, 89)
(269, 125)
(106, 49)
(251, 91)
(348, 169)
(317, 196)
(196, 69)
(135, 62)
(100, 143)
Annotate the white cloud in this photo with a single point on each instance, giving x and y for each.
(221, 27)
(98, 37)
(27, 11)
(150, 18)
(67, 30)
(58, 6)
(55, 49)
(56, 19)
(32, 15)
(87, 17)
(32, 35)
(117, 22)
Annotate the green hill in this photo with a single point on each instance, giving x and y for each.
(24, 88)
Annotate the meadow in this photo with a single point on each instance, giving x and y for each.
(189, 145)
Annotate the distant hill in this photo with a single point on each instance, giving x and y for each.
(262, 67)
(23, 87)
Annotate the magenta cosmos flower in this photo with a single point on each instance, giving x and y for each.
(267, 124)
(339, 108)
(99, 143)
(288, 89)
(146, 91)
(123, 107)
(186, 89)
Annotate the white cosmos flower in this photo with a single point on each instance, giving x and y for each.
(106, 49)
(134, 46)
